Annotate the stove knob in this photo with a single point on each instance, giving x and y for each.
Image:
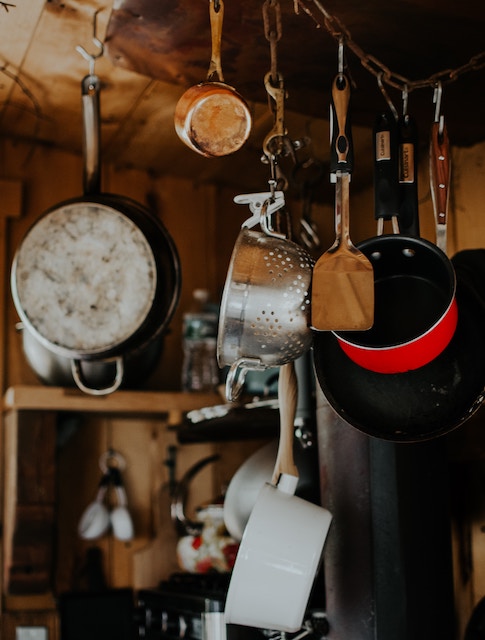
(173, 625)
(142, 617)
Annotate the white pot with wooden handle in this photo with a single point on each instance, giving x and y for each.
(283, 541)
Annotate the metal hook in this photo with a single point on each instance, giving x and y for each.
(111, 458)
(437, 95)
(386, 97)
(91, 57)
(438, 92)
(340, 55)
(405, 97)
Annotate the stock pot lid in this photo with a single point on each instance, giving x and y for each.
(84, 277)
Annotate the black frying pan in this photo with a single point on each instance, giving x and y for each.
(426, 402)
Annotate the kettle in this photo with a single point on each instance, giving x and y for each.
(205, 545)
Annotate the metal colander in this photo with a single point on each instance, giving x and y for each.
(265, 309)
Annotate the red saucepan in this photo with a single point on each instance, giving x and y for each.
(211, 117)
(415, 313)
(423, 403)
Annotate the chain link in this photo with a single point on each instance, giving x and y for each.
(375, 66)
(272, 32)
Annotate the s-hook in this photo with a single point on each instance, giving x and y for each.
(405, 100)
(92, 57)
(438, 117)
(386, 97)
(340, 56)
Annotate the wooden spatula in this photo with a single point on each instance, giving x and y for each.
(343, 277)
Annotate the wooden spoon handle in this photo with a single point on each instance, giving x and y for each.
(287, 395)
(216, 19)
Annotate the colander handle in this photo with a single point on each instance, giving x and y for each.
(237, 374)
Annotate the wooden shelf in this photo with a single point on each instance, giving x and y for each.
(43, 398)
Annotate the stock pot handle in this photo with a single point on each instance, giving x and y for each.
(90, 88)
(77, 374)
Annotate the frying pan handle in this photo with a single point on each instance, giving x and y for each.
(440, 171)
(216, 20)
(341, 148)
(386, 176)
(90, 87)
(287, 396)
(408, 177)
(77, 374)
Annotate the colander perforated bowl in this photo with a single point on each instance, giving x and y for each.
(265, 308)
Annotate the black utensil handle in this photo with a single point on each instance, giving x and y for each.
(341, 147)
(386, 167)
(408, 177)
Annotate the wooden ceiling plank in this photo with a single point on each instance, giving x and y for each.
(17, 28)
(55, 70)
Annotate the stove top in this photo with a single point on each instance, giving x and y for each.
(206, 584)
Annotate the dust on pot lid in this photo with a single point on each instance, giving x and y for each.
(84, 277)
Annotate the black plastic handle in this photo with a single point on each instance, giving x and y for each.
(386, 167)
(341, 148)
(408, 177)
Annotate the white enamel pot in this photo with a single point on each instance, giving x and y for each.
(282, 544)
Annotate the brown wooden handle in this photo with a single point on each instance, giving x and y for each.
(287, 395)
(440, 170)
(216, 19)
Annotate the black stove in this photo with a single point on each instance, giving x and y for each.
(189, 607)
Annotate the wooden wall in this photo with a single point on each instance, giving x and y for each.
(204, 240)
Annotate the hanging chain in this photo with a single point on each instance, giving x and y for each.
(338, 31)
(273, 144)
(272, 32)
